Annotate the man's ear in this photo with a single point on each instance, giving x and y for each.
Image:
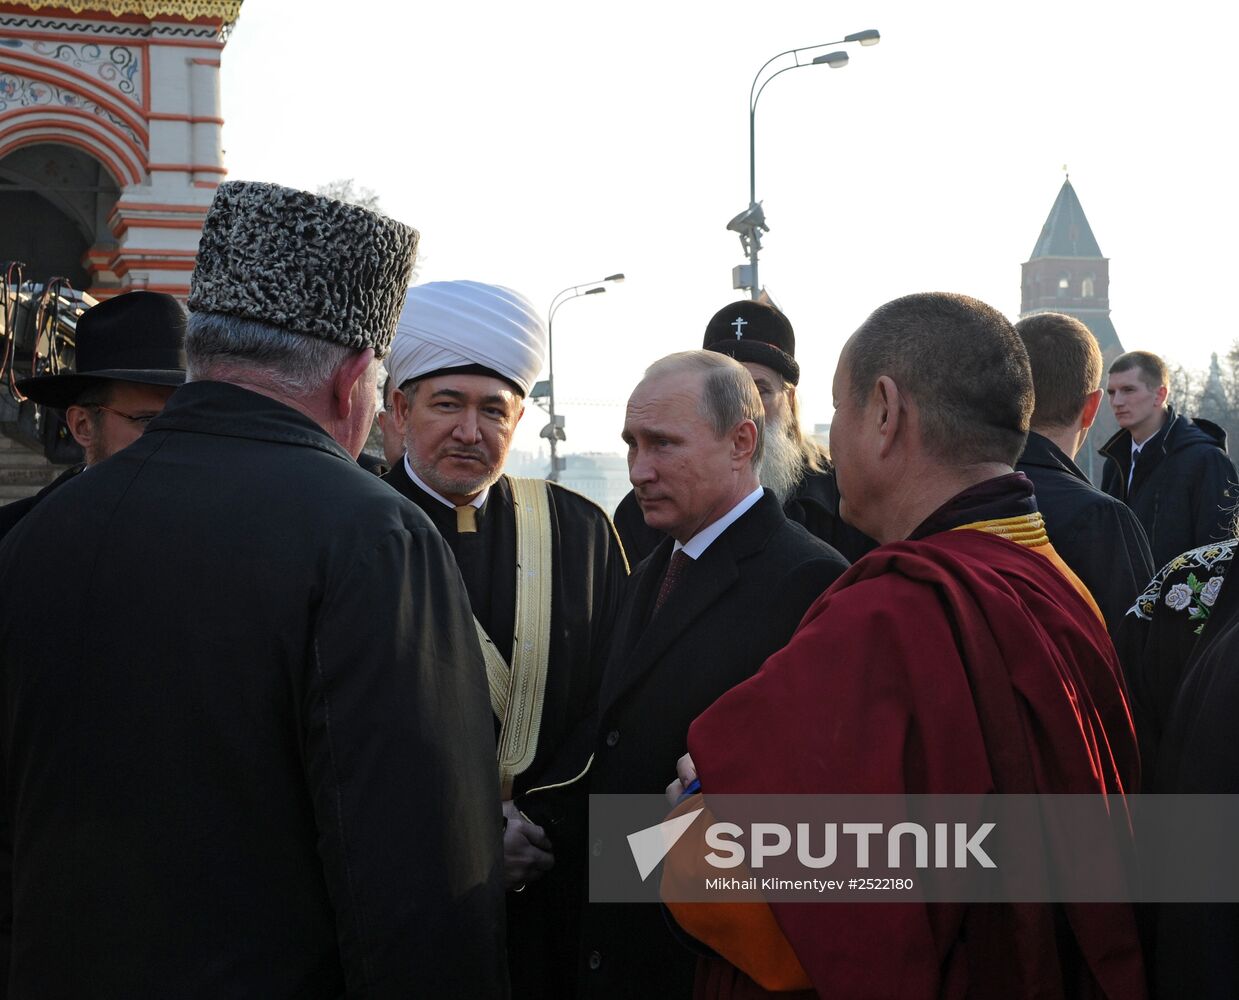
(1092, 403)
(889, 413)
(345, 380)
(81, 423)
(743, 442)
(1162, 393)
(399, 409)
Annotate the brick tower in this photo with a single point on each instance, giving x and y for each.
(1068, 274)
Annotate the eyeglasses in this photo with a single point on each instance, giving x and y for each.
(141, 419)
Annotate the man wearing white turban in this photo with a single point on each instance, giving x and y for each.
(464, 357)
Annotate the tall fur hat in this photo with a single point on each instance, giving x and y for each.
(304, 263)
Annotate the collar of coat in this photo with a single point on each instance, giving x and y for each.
(1040, 451)
(226, 410)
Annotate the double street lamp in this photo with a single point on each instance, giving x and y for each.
(751, 223)
(545, 390)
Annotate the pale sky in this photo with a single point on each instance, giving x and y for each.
(545, 144)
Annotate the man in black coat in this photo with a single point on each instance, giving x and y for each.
(793, 467)
(129, 356)
(718, 596)
(252, 754)
(1172, 471)
(1097, 536)
(464, 357)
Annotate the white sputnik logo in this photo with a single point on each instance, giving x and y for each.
(650, 846)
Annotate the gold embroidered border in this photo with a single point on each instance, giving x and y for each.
(1023, 529)
(531, 644)
(192, 10)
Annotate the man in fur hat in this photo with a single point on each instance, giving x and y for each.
(253, 758)
(540, 562)
(130, 355)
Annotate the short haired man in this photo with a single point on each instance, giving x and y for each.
(965, 604)
(540, 562)
(719, 595)
(793, 467)
(1097, 535)
(250, 756)
(130, 355)
(1172, 471)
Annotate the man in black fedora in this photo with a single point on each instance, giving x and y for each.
(130, 356)
(795, 468)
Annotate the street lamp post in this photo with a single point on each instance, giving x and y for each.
(751, 223)
(554, 430)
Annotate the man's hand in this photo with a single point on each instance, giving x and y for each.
(526, 850)
(686, 775)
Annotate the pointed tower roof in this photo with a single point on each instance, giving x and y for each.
(1066, 232)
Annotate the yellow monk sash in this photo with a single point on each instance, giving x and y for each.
(1029, 531)
(517, 694)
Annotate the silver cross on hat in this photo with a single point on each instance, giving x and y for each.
(738, 322)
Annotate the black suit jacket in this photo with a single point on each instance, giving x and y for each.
(1098, 536)
(734, 607)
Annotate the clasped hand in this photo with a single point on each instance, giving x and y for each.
(526, 850)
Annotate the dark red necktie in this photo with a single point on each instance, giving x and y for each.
(679, 562)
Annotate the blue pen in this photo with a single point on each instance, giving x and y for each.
(690, 790)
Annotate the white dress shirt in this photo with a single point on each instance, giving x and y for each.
(701, 541)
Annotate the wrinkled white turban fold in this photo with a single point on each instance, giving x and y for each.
(453, 324)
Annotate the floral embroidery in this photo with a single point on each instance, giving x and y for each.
(1210, 591)
(1189, 595)
(1179, 596)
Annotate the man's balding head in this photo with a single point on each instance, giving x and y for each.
(963, 365)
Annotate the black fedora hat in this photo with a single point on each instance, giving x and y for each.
(135, 337)
(753, 331)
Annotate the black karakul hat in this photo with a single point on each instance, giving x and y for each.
(753, 331)
(304, 263)
(134, 337)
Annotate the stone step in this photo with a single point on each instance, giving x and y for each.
(22, 459)
(38, 476)
(10, 493)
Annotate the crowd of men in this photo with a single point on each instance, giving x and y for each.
(299, 730)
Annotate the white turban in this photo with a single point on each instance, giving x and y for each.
(452, 324)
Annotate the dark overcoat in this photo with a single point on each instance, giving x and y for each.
(732, 608)
(247, 748)
(13, 512)
(1184, 488)
(589, 572)
(1098, 536)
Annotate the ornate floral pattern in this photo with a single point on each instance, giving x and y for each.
(118, 67)
(18, 92)
(1182, 588)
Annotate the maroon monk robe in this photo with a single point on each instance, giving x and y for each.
(878, 692)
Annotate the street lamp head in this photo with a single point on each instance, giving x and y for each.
(614, 277)
(595, 291)
(835, 60)
(869, 36)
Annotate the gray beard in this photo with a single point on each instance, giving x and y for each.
(782, 464)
